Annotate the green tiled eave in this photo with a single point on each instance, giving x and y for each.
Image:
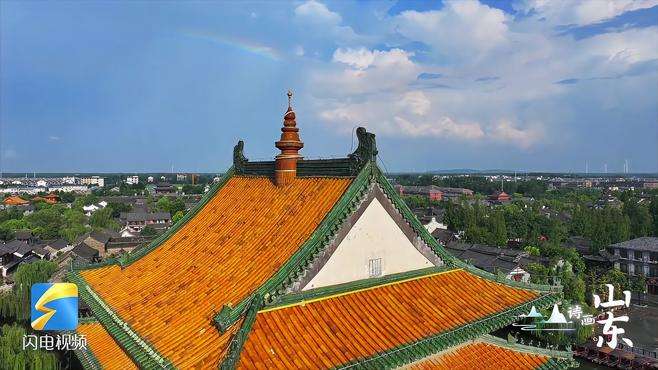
(137, 348)
(141, 351)
(558, 359)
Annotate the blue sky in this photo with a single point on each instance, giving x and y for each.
(141, 86)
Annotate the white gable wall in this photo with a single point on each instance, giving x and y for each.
(374, 235)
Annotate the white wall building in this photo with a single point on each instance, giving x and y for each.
(93, 180)
(66, 188)
(132, 180)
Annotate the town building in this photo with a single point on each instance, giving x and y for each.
(56, 246)
(302, 264)
(136, 221)
(430, 192)
(93, 181)
(511, 263)
(96, 240)
(14, 201)
(164, 188)
(638, 256)
(499, 197)
(454, 194)
(132, 180)
(70, 188)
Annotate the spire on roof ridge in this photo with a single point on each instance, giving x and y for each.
(285, 164)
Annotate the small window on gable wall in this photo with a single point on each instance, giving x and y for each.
(375, 267)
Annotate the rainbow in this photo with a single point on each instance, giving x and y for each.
(245, 45)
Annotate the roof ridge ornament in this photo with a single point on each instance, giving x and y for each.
(366, 150)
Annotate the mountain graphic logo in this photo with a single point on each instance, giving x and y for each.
(54, 306)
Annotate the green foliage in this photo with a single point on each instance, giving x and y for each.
(165, 204)
(640, 219)
(416, 201)
(14, 357)
(118, 207)
(193, 189)
(638, 283)
(9, 226)
(497, 229)
(16, 304)
(102, 219)
(653, 211)
(532, 250)
(85, 200)
(74, 224)
(175, 218)
(148, 231)
(602, 226)
(539, 274)
(615, 277)
(573, 287)
(10, 214)
(46, 223)
(66, 197)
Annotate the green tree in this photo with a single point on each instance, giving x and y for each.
(148, 231)
(497, 229)
(531, 250)
(193, 189)
(102, 219)
(175, 218)
(46, 223)
(640, 219)
(14, 357)
(415, 201)
(118, 208)
(573, 287)
(172, 206)
(74, 224)
(16, 304)
(653, 211)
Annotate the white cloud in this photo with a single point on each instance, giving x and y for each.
(416, 102)
(459, 30)
(443, 127)
(580, 12)
(360, 58)
(362, 71)
(53, 138)
(299, 51)
(520, 105)
(321, 23)
(504, 131)
(317, 12)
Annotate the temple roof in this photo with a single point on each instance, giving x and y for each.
(15, 200)
(103, 348)
(361, 323)
(218, 287)
(249, 228)
(490, 353)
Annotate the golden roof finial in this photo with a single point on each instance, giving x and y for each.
(289, 98)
